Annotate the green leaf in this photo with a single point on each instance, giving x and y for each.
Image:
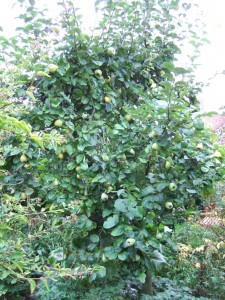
(147, 191)
(142, 277)
(94, 238)
(45, 282)
(111, 222)
(29, 191)
(32, 285)
(123, 256)
(118, 231)
(120, 205)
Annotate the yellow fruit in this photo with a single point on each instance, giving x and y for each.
(159, 235)
(52, 68)
(168, 164)
(199, 146)
(56, 182)
(60, 155)
(132, 151)
(172, 186)
(58, 123)
(104, 197)
(23, 158)
(128, 118)
(105, 157)
(217, 154)
(155, 146)
(107, 99)
(169, 205)
(130, 242)
(27, 166)
(111, 51)
(98, 72)
(78, 168)
(23, 196)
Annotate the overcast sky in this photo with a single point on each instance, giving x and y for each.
(212, 57)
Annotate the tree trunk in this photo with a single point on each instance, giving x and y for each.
(147, 286)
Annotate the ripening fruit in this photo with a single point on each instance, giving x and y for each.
(169, 205)
(159, 236)
(111, 51)
(60, 155)
(104, 259)
(23, 158)
(63, 150)
(178, 137)
(172, 186)
(217, 154)
(130, 242)
(168, 164)
(137, 257)
(128, 118)
(23, 196)
(199, 146)
(155, 146)
(148, 150)
(85, 115)
(98, 72)
(58, 123)
(104, 197)
(105, 157)
(27, 166)
(132, 151)
(55, 182)
(107, 99)
(52, 68)
(78, 168)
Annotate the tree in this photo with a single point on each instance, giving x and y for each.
(134, 156)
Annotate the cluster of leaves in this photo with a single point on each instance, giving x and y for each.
(201, 263)
(133, 154)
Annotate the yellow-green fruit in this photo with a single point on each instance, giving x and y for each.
(63, 149)
(23, 196)
(107, 99)
(58, 123)
(56, 182)
(108, 79)
(132, 151)
(148, 150)
(128, 117)
(168, 164)
(155, 146)
(27, 166)
(104, 259)
(178, 137)
(172, 186)
(78, 168)
(98, 72)
(104, 197)
(60, 155)
(159, 236)
(130, 242)
(105, 157)
(52, 68)
(199, 146)
(123, 157)
(169, 205)
(137, 257)
(111, 51)
(23, 158)
(217, 154)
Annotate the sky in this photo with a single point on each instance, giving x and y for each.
(211, 60)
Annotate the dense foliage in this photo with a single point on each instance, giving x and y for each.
(115, 152)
